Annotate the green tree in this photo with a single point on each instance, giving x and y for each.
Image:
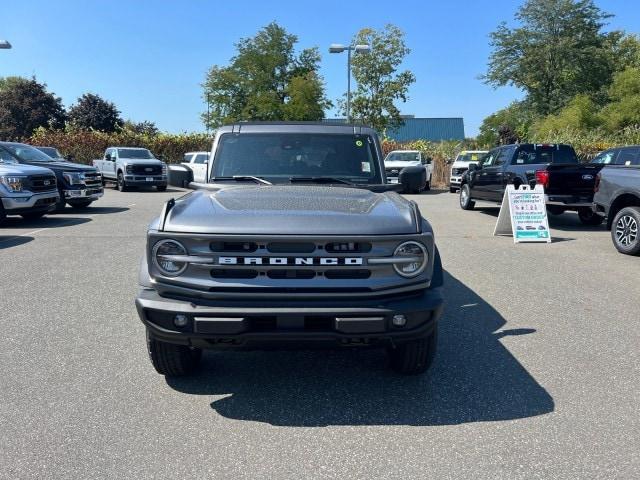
(507, 125)
(144, 128)
(557, 51)
(92, 112)
(624, 109)
(266, 80)
(379, 85)
(26, 105)
(579, 115)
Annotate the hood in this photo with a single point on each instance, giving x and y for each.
(292, 210)
(64, 166)
(401, 163)
(462, 164)
(141, 161)
(22, 169)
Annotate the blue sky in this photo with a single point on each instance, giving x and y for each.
(150, 58)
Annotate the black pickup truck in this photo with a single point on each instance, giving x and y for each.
(568, 183)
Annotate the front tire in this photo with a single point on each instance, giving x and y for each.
(624, 231)
(121, 185)
(466, 203)
(81, 205)
(414, 357)
(33, 216)
(172, 360)
(452, 190)
(589, 217)
(427, 186)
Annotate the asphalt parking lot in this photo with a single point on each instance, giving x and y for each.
(537, 374)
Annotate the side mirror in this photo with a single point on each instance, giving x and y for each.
(70, 158)
(179, 175)
(160, 157)
(473, 166)
(412, 179)
(107, 157)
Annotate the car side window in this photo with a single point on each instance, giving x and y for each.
(201, 158)
(504, 156)
(628, 156)
(606, 158)
(490, 158)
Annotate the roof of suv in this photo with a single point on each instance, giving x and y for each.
(297, 127)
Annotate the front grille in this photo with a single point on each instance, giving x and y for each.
(458, 171)
(392, 172)
(41, 183)
(93, 179)
(146, 169)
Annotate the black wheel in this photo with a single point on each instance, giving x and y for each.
(452, 190)
(465, 198)
(121, 184)
(589, 217)
(161, 188)
(33, 215)
(80, 205)
(415, 356)
(3, 216)
(624, 231)
(172, 360)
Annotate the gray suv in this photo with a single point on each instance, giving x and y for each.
(295, 240)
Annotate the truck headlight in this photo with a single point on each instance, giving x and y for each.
(416, 256)
(164, 169)
(164, 253)
(129, 168)
(13, 183)
(74, 178)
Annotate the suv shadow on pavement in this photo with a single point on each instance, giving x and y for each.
(474, 379)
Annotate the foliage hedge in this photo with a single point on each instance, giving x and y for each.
(88, 145)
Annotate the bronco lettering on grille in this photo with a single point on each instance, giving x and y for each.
(290, 261)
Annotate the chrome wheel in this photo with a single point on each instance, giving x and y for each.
(626, 230)
(464, 196)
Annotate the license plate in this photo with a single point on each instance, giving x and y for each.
(393, 180)
(149, 179)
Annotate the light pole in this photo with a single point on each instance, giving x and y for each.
(4, 45)
(339, 48)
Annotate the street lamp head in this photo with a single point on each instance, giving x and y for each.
(4, 44)
(336, 48)
(362, 48)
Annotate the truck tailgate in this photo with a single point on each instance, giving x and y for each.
(571, 179)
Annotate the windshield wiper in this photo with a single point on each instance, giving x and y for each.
(320, 180)
(241, 178)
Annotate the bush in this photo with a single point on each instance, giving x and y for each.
(88, 145)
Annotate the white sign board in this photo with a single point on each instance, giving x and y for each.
(525, 212)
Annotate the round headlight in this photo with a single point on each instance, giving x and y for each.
(417, 259)
(162, 253)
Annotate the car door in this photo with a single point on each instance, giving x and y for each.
(199, 167)
(496, 179)
(482, 177)
(109, 166)
(627, 156)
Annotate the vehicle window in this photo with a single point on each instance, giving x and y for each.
(504, 156)
(605, 157)
(6, 157)
(284, 155)
(201, 158)
(490, 158)
(470, 156)
(140, 154)
(27, 153)
(404, 157)
(627, 156)
(186, 158)
(537, 154)
(52, 152)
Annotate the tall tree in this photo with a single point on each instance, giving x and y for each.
(266, 80)
(380, 86)
(557, 51)
(26, 105)
(93, 112)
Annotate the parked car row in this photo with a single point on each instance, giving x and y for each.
(607, 188)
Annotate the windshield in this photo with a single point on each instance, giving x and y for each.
(141, 154)
(52, 152)
(537, 154)
(280, 156)
(27, 153)
(471, 156)
(6, 157)
(403, 157)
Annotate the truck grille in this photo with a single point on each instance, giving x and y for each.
(41, 183)
(146, 169)
(392, 171)
(93, 179)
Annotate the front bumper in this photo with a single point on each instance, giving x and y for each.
(141, 180)
(30, 202)
(569, 201)
(455, 181)
(92, 193)
(293, 323)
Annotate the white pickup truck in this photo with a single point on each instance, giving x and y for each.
(395, 161)
(461, 165)
(132, 167)
(198, 163)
